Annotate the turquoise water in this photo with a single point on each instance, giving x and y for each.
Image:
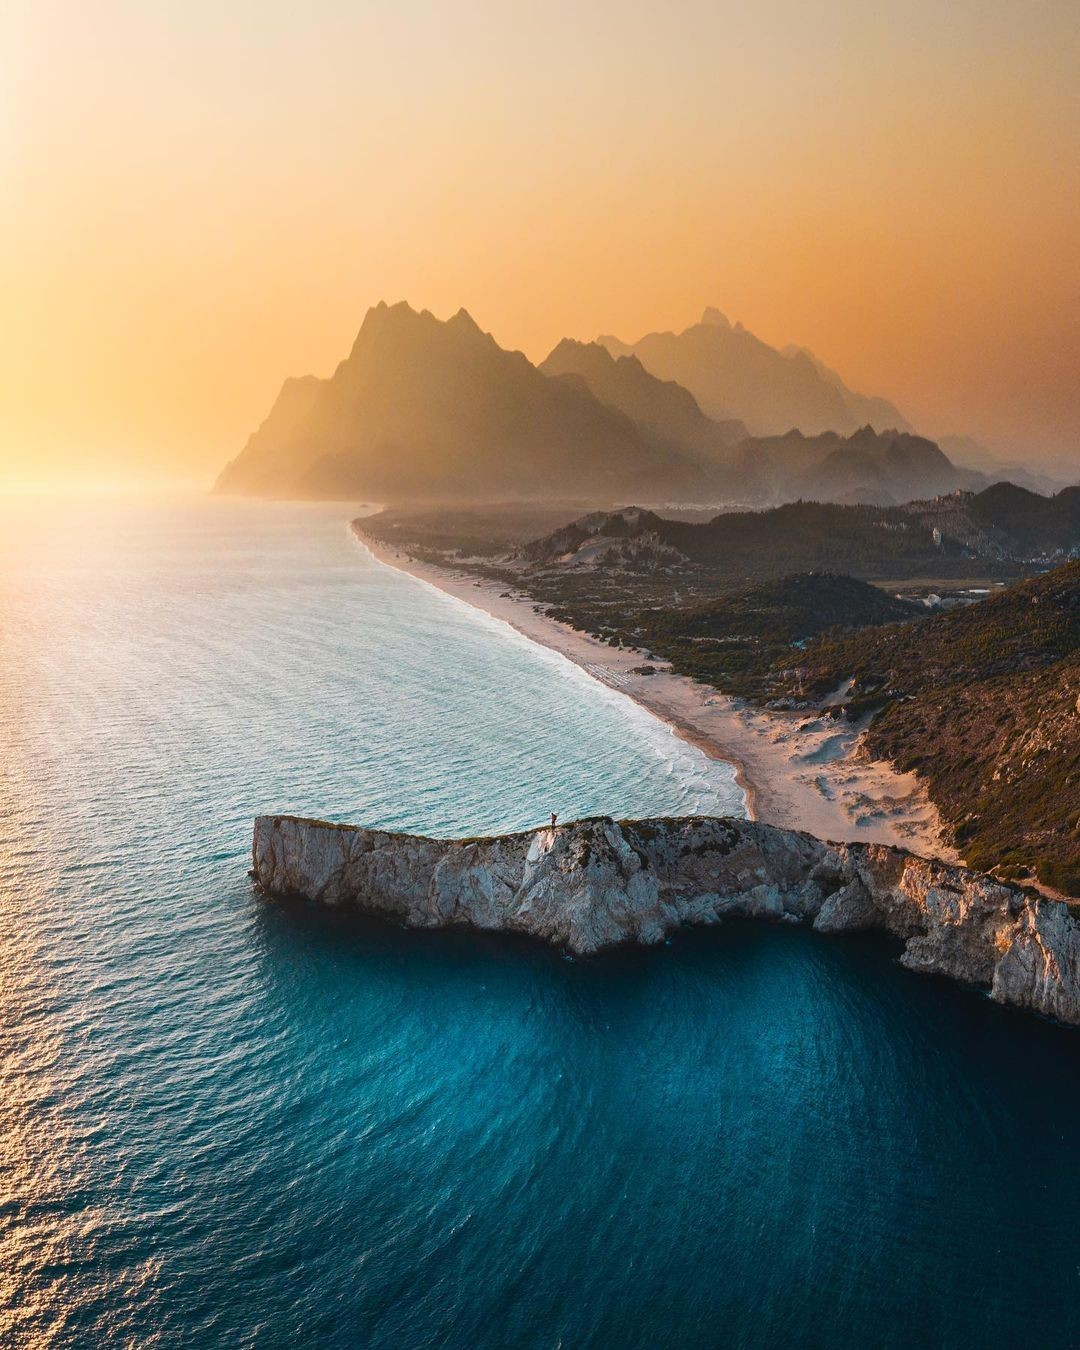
(224, 1122)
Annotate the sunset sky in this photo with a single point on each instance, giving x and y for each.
(201, 198)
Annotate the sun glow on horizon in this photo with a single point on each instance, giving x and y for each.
(207, 199)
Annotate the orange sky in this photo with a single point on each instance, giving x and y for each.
(200, 198)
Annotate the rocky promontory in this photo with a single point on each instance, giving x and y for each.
(599, 883)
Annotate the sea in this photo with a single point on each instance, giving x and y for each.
(226, 1121)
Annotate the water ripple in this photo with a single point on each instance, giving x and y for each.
(227, 1123)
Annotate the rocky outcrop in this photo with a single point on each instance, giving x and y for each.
(597, 883)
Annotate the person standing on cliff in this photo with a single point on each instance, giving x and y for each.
(554, 818)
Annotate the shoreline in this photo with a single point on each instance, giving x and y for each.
(597, 884)
(798, 772)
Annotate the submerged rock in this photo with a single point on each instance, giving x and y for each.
(598, 883)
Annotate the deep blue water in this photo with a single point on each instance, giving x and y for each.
(225, 1123)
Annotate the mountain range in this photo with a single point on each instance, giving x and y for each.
(662, 407)
(880, 469)
(733, 374)
(971, 454)
(426, 410)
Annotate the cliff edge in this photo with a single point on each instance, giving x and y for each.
(598, 883)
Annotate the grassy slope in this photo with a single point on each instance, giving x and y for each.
(738, 641)
(983, 703)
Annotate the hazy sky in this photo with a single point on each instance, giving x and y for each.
(200, 198)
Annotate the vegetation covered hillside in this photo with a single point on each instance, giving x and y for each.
(981, 700)
(1033, 524)
(569, 569)
(984, 703)
(736, 641)
(1006, 521)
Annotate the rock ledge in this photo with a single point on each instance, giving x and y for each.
(598, 883)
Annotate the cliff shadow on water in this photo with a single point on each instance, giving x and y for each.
(342, 944)
(596, 884)
(826, 1134)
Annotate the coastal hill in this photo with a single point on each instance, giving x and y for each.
(730, 639)
(430, 409)
(980, 700)
(1010, 521)
(740, 547)
(984, 703)
(733, 374)
(997, 532)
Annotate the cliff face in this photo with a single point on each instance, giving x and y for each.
(597, 883)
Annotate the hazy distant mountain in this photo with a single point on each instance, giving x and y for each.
(865, 408)
(877, 468)
(733, 374)
(661, 407)
(427, 409)
(972, 454)
(881, 469)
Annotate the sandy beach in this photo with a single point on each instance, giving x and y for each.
(801, 773)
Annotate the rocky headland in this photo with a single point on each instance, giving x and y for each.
(599, 883)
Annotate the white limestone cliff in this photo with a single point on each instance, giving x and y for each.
(597, 883)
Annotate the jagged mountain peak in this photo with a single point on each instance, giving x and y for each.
(401, 314)
(567, 347)
(662, 407)
(434, 409)
(599, 357)
(464, 320)
(416, 330)
(734, 374)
